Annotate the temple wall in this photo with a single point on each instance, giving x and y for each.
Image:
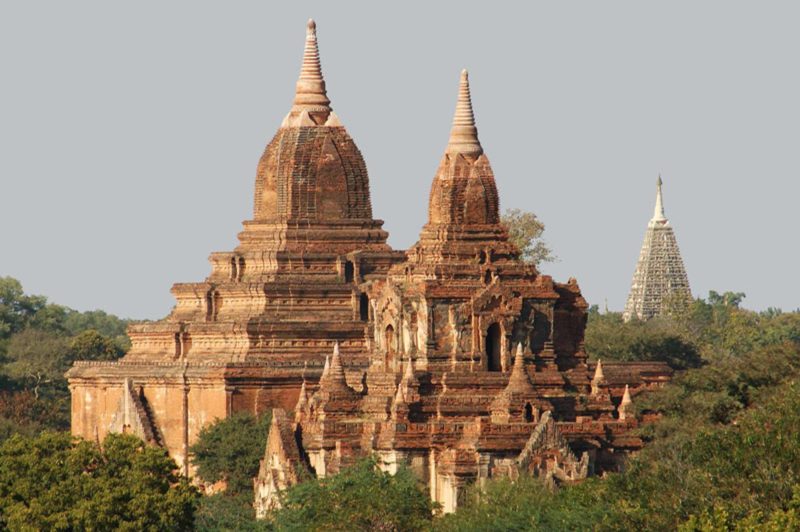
(176, 416)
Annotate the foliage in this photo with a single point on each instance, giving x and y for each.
(39, 341)
(53, 481)
(525, 230)
(224, 511)
(522, 505)
(609, 338)
(230, 449)
(360, 497)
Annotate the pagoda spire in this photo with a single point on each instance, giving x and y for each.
(599, 379)
(660, 276)
(464, 133)
(626, 405)
(310, 94)
(658, 212)
(334, 378)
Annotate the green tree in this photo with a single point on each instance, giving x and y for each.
(360, 497)
(223, 511)
(91, 345)
(16, 308)
(54, 482)
(608, 337)
(230, 449)
(525, 230)
(38, 359)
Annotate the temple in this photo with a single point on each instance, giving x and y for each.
(454, 357)
(660, 279)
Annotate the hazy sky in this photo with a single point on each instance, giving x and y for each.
(130, 132)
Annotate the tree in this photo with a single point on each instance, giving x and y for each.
(230, 449)
(608, 337)
(525, 231)
(16, 308)
(38, 358)
(360, 497)
(55, 482)
(91, 345)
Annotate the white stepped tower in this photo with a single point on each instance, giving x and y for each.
(660, 274)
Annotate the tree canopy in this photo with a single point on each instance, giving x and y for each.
(230, 449)
(525, 230)
(360, 497)
(54, 482)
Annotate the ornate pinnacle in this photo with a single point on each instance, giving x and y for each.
(310, 94)
(626, 396)
(519, 380)
(464, 134)
(625, 409)
(598, 373)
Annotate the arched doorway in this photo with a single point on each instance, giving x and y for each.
(390, 342)
(493, 350)
(528, 413)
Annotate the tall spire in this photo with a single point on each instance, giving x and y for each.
(659, 282)
(310, 94)
(464, 134)
(658, 212)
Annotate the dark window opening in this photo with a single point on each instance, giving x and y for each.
(493, 348)
(363, 307)
(240, 273)
(349, 272)
(487, 277)
(528, 413)
(233, 269)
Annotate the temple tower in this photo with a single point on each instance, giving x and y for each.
(660, 276)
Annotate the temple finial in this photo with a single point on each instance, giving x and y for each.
(310, 95)
(464, 134)
(598, 372)
(625, 408)
(658, 212)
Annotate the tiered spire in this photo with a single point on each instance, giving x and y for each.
(660, 275)
(310, 94)
(334, 379)
(519, 381)
(464, 134)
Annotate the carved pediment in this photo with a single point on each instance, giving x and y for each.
(496, 298)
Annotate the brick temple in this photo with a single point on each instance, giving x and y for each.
(454, 357)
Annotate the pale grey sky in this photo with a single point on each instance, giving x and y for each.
(130, 132)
